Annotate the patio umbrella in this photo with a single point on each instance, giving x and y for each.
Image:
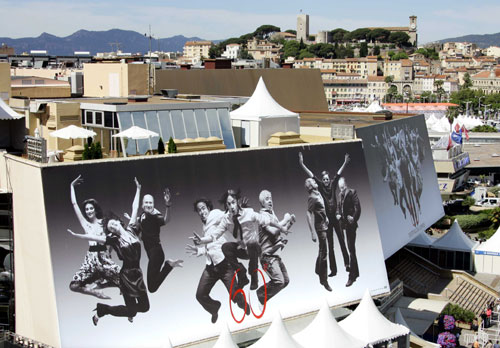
(72, 132)
(136, 133)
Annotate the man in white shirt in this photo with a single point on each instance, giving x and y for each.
(217, 267)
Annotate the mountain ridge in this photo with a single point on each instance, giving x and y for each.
(481, 40)
(96, 41)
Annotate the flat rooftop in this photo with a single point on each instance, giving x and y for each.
(483, 155)
(358, 119)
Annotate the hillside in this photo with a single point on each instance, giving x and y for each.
(96, 41)
(482, 41)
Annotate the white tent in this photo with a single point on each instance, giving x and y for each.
(262, 116)
(422, 240)
(276, 336)
(374, 107)
(168, 344)
(225, 340)
(368, 324)
(487, 255)
(455, 239)
(6, 113)
(325, 332)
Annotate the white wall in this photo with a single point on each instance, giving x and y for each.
(36, 312)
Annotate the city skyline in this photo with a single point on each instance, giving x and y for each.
(228, 19)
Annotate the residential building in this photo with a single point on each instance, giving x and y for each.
(487, 81)
(39, 87)
(232, 51)
(400, 70)
(283, 35)
(453, 63)
(263, 49)
(302, 27)
(5, 81)
(115, 79)
(493, 51)
(346, 89)
(377, 88)
(196, 50)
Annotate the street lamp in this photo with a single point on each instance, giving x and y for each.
(467, 108)
(479, 106)
(485, 108)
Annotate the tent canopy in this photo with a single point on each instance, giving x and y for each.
(374, 326)
(6, 113)
(260, 105)
(455, 239)
(136, 133)
(72, 132)
(276, 336)
(225, 340)
(491, 246)
(422, 240)
(325, 332)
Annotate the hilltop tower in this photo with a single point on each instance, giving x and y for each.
(413, 30)
(302, 27)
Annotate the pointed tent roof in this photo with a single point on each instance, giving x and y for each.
(276, 336)
(375, 327)
(455, 239)
(374, 107)
(422, 240)
(491, 246)
(6, 113)
(325, 332)
(260, 105)
(167, 344)
(225, 340)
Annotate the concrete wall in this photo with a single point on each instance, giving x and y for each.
(47, 73)
(5, 81)
(294, 89)
(36, 313)
(115, 79)
(42, 92)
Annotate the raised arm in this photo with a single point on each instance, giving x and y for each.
(135, 203)
(301, 162)
(168, 204)
(76, 208)
(347, 159)
(92, 237)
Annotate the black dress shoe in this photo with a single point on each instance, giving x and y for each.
(350, 282)
(95, 319)
(326, 285)
(347, 268)
(332, 274)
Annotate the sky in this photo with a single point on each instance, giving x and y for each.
(218, 19)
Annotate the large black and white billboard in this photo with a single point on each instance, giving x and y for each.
(154, 248)
(403, 179)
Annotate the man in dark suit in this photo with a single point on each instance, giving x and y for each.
(348, 212)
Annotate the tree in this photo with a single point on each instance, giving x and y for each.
(467, 81)
(399, 55)
(302, 45)
(338, 34)
(360, 34)
(291, 31)
(389, 79)
(291, 49)
(243, 54)
(161, 146)
(98, 150)
(264, 31)
(376, 50)
(439, 88)
(172, 148)
(399, 38)
(322, 50)
(363, 50)
(379, 34)
(305, 54)
(86, 152)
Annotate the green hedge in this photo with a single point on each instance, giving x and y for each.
(468, 222)
(459, 313)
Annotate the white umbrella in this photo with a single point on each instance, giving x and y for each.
(136, 133)
(72, 132)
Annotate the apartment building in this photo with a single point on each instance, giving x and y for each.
(401, 70)
(262, 49)
(345, 89)
(454, 63)
(492, 51)
(232, 51)
(376, 88)
(196, 50)
(487, 81)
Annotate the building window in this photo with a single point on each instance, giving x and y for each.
(89, 117)
(98, 118)
(108, 119)
(83, 117)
